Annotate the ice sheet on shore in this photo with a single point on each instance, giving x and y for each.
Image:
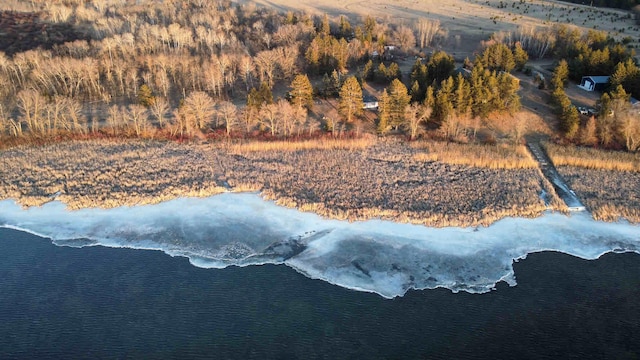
(375, 256)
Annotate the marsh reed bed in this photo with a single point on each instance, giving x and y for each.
(608, 182)
(345, 179)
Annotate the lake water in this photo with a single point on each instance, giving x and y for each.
(97, 302)
(247, 279)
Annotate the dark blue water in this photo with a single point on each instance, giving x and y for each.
(58, 302)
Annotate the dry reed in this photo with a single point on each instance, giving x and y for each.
(610, 195)
(483, 156)
(590, 158)
(315, 144)
(378, 180)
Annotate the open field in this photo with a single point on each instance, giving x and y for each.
(379, 181)
(470, 21)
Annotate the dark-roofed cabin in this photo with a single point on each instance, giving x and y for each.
(594, 83)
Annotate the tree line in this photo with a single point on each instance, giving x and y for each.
(179, 61)
(181, 69)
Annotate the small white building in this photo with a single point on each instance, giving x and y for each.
(369, 103)
(594, 83)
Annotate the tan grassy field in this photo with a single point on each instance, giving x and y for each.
(378, 181)
(470, 21)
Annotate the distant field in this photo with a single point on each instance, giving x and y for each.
(470, 21)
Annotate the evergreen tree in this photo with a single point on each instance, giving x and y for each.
(480, 93)
(416, 94)
(520, 56)
(462, 96)
(560, 74)
(440, 67)
(301, 92)
(443, 102)
(570, 121)
(419, 76)
(145, 96)
(498, 57)
(368, 71)
(345, 27)
(393, 72)
(259, 97)
(509, 98)
(350, 104)
(398, 101)
(325, 28)
(383, 113)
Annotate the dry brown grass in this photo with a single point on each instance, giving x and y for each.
(610, 195)
(590, 158)
(385, 181)
(105, 173)
(483, 156)
(380, 180)
(315, 144)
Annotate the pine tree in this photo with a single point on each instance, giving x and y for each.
(345, 27)
(443, 103)
(439, 67)
(520, 56)
(350, 104)
(462, 96)
(259, 97)
(570, 121)
(301, 92)
(145, 95)
(399, 100)
(560, 74)
(325, 28)
(416, 94)
(383, 113)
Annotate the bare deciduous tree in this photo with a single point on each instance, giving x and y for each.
(31, 106)
(198, 110)
(269, 118)
(415, 115)
(404, 37)
(227, 114)
(137, 119)
(159, 109)
(427, 30)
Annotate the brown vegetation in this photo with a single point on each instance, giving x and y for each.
(609, 195)
(368, 179)
(501, 156)
(590, 158)
(608, 182)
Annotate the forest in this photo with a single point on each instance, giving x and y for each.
(197, 68)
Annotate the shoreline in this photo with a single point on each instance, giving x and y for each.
(382, 179)
(384, 257)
